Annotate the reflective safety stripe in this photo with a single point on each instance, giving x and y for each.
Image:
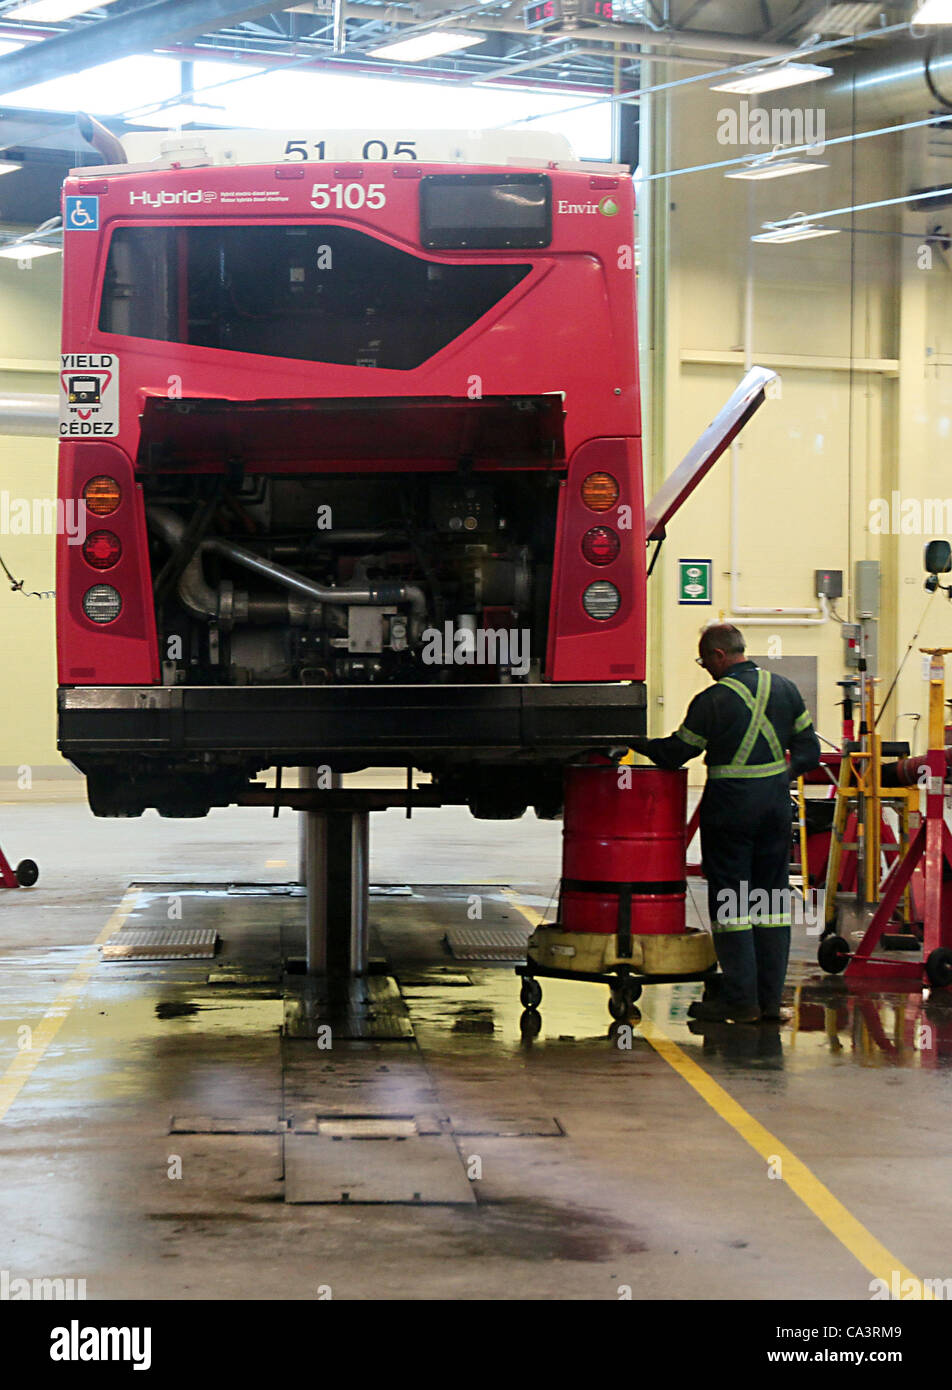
(802, 721)
(782, 920)
(758, 725)
(686, 736)
(756, 770)
(732, 924)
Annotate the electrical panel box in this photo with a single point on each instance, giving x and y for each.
(829, 584)
(851, 644)
(866, 592)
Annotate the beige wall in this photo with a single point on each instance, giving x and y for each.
(29, 347)
(837, 317)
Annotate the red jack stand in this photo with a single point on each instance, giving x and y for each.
(932, 846)
(23, 876)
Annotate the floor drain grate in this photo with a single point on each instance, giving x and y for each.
(162, 943)
(488, 943)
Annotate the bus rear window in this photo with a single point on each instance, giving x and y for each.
(311, 292)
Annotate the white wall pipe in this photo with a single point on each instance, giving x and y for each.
(785, 616)
(22, 413)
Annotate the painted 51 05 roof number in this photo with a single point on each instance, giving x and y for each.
(348, 195)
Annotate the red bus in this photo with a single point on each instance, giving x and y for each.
(358, 442)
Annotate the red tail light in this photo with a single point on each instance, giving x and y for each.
(102, 549)
(600, 545)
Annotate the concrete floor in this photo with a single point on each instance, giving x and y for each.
(602, 1167)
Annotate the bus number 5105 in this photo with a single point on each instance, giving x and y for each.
(347, 195)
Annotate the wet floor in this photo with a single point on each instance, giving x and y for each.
(175, 1139)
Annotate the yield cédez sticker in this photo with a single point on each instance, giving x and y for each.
(89, 395)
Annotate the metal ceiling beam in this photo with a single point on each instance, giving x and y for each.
(136, 31)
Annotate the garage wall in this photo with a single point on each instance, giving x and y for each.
(836, 317)
(29, 348)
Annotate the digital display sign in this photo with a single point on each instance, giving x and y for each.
(542, 14)
(482, 211)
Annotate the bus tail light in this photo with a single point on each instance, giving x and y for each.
(102, 603)
(600, 492)
(102, 495)
(600, 545)
(601, 600)
(102, 550)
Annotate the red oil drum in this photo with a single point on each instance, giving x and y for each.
(623, 840)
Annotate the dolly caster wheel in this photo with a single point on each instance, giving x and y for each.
(622, 1001)
(939, 967)
(27, 873)
(530, 995)
(833, 954)
(530, 1023)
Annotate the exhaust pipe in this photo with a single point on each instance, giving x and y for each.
(101, 139)
(205, 602)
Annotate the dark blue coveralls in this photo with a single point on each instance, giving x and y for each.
(743, 723)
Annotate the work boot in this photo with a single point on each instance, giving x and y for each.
(716, 1011)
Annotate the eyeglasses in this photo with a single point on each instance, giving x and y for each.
(699, 660)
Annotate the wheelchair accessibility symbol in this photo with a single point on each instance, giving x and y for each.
(82, 214)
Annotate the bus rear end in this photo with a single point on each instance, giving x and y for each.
(358, 451)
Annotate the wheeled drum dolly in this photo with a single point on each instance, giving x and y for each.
(621, 918)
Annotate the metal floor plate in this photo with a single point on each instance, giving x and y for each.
(367, 1008)
(420, 1169)
(488, 943)
(161, 943)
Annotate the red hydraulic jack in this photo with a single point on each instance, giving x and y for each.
(932, 848)
(23, 876)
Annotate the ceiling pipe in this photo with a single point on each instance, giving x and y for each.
(905, 81)
(610, 32)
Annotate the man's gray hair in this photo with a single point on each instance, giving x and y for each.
(722, 637)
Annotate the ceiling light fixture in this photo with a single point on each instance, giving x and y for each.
(422, 46)
(772, 79)
(933, 12)
(27, 250)
(778, 234)
(51, 11)
(772, 167)
(8, 166)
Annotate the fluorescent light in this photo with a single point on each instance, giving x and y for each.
(420, 46)
(776, 169)
(7, 166)
(933, 12)
(176, 114)
(802, 231)
(27, 250)
(53, 10)
(770, 79)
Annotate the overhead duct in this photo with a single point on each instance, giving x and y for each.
(881, 85)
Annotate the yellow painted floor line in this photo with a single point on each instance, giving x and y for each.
(25, 1063)
(814, 1194)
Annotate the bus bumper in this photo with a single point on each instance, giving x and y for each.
(366, 725)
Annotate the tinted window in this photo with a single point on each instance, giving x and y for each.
(485, 210)
(324, 294)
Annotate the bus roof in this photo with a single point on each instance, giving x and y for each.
(194, 148)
